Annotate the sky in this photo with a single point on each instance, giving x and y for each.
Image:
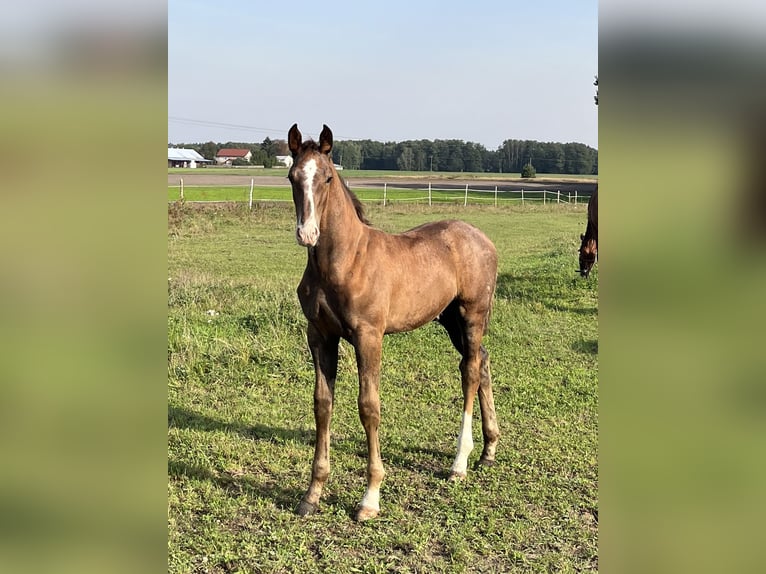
(484, 71)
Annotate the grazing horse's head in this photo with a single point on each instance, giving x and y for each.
(588, 254)
(310, 176)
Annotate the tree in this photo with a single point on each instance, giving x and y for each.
(208, 150)
(268, 146)
(528, 171)
(348, 154)
(472, 157)
(436, 155)
(406, 160)
(281, 148)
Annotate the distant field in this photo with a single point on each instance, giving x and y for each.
(241, 425)
(251, 171)
(352, 173)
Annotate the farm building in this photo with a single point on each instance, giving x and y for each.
(180, 157)
(226, 156)
(285, 160)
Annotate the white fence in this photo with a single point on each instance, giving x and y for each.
(490, 196)
(395, 194)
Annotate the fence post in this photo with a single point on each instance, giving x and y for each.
(429, 194)
(495, 196)
(182, 189)
(558, 196)
(384, 193)
(543, 197)
(575, 197)
(522, 196)
(251, 193)
(465, 201)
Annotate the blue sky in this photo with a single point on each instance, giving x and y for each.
(484, 71)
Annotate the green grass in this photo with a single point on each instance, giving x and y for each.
(393, 194)
(230, 193)
(240, 418)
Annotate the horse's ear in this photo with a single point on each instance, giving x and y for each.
(325, 139)
(294, 139)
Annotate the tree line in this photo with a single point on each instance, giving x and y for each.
(436, 155)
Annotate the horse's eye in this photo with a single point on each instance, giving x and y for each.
(329, 179)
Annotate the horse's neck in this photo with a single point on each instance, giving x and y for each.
(340, 231)
(591, 232)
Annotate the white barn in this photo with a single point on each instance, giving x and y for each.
(285, 160)
(180, 157)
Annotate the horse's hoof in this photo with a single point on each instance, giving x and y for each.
(456, 476)
(306, 508)
(484, 463)
(365, 513)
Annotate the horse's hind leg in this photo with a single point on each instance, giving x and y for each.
(466, 336)
(324, 351)
(470, 373)
(489, 427)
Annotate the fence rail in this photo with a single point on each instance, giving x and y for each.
(391, 194)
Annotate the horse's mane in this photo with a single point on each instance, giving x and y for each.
(358, 207)
(357, 203)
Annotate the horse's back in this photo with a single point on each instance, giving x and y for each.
(461, 236)
(422, 270)
(593, 211)
(466, 249)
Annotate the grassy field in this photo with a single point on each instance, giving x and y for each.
(240, 418)
(393, 194)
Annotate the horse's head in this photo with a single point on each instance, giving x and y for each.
(588, 255)
(310, 176)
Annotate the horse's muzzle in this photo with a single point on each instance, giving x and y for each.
(307, 235)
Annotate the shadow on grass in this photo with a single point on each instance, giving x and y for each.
(426, 461)
(552, 291)
(183, 418)
(267, 487)
(586, 346)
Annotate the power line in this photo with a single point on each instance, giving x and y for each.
(206, 123)
(212, 124)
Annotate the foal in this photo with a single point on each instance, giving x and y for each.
(361, 283)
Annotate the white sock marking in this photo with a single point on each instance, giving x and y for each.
(464, 445)
(371, 499)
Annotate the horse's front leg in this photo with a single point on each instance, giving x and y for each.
(324, 351)
(368, 345)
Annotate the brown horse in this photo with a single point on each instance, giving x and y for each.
(589, 241)
(361, 283)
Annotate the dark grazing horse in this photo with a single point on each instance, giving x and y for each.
(361, 283)
(589, 241)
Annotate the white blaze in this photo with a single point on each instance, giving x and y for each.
(464, 445)
(307, 230)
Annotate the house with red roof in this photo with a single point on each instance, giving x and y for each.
(226, 156)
